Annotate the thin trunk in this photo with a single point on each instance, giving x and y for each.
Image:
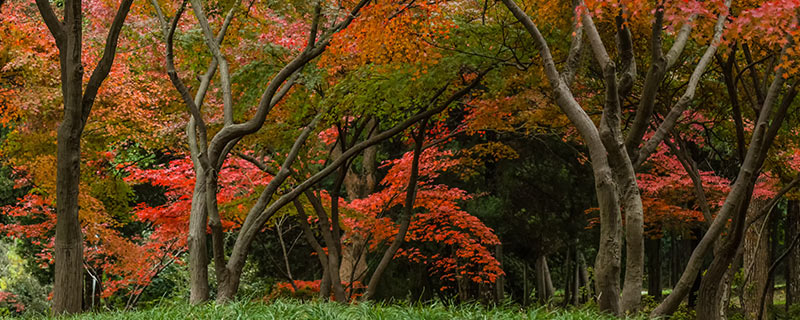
(771, 272)
(674, 260)
(500, 284)
(325, 283)
(405, 218)
(285, 253)
(544, 282)
(793, 262)
(525, 292)
(710, 288)
(586, 281)
(576, 286)
(333, 257)
(567, 270)
(691, 244)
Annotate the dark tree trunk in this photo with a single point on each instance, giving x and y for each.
(687, 246)
(654, 268)
(500, 289)
(710, 288)
(576, 285)
(567, 269)
(675, 261)
(692, 299)
(405, 217)
(793, 261)
(67, 292)
(756, 262)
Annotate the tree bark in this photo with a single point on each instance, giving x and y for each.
(576, 286)
(793, 262)
(544, 282)
(198, 254)
(756, 262)
(500, 289)
(69, 240)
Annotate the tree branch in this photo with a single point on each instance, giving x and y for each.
(51, 20)
(677, 110)
(100, 72)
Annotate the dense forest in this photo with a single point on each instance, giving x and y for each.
(511, 158)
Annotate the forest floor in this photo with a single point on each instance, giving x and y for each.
(293, 309)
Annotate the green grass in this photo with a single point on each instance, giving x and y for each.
(294, 309)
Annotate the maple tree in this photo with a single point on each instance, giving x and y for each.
(466, 237)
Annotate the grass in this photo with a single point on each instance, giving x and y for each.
(295, 309)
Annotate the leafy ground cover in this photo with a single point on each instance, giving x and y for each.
(293, 309)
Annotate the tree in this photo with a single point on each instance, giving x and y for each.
(615, 158)
(77, 106)
(211, 154)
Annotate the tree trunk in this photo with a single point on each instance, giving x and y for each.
(710, 287)
(500, 284)
(586, 281)
(525, 292)
(793, 261)
(198, 251)
(325, 284)
(67, 290)
(354, 260)
(92, 290)
(725, 285)
(68, 284)
(405, 217)
(691, 244)
(544, 283)
(654, 268)
(576, 286)
(567, 270)
(756, 262)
